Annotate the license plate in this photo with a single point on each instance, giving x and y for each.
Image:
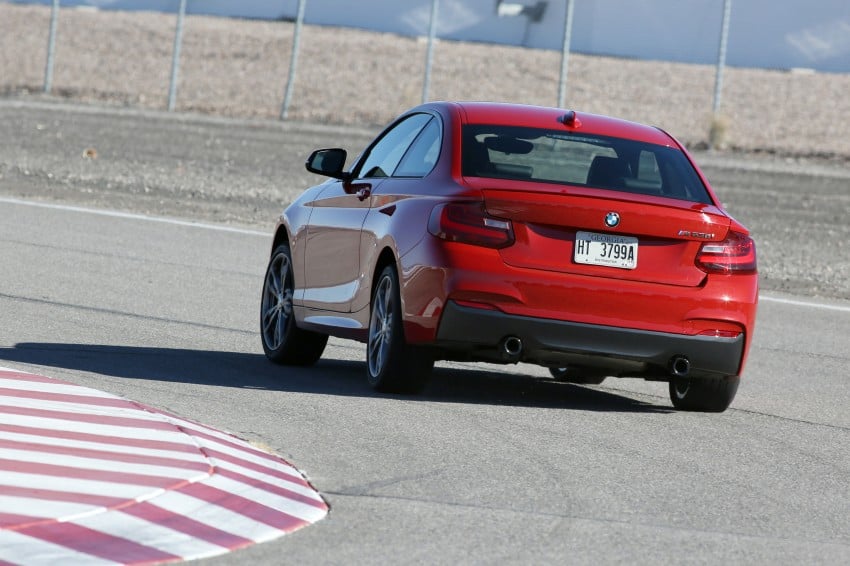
(606, 249)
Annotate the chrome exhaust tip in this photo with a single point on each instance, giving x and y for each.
(512, 348)
(679, 366)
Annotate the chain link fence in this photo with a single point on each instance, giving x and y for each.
(312, 73)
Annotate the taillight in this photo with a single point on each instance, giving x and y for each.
(735, 254)
(468, 223)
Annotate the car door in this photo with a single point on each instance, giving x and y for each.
(332, 250)
(399, 195)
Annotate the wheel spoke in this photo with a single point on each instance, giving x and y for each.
(379, 355)
(284, 274)
(270, 318)
(380, 327)
(379, 306)
(272, 283)
(277, 302)
(373, 356)
(279, 329)
(376, 341)
(374, 338)
(388, 302)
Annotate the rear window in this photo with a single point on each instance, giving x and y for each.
(572, 158)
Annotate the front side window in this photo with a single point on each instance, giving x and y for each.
(573, 158)
(384, 156)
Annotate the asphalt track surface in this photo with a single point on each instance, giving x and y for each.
(491, 464)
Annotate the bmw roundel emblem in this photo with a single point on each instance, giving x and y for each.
(612, 219)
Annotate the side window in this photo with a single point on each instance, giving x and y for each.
(423, 154)
(385, 155)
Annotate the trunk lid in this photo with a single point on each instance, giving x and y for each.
(664, 234)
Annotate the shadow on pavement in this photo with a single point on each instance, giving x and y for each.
(327, 377)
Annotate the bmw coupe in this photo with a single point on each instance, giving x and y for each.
(503, 233)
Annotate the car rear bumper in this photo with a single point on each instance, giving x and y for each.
(480, 334)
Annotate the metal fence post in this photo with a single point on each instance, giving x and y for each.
(175, 58)
(429, 57)
(293, 60)
(721, 54)
(51, 47)
(565, 54)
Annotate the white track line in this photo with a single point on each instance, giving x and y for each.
(132, 216)
(804, 304)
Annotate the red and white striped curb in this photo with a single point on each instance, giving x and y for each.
(90, 478)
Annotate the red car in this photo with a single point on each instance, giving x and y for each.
(506, 233)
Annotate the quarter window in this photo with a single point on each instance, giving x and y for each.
(383, 157)
(423, 154)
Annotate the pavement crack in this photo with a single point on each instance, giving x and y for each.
(361, 490)
(537, 514)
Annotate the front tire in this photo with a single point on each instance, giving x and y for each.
(283, 342)
(709, 394)
(392, 365)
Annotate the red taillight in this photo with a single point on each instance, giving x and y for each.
(735, 254)
(468, 223)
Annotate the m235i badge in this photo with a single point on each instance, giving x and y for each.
(702, 235)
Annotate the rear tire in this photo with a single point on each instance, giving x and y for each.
(710, 394)
(283, 342)
(392, 365)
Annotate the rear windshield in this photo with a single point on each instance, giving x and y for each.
(556, 156)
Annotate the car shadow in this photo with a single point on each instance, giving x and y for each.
(327, 377)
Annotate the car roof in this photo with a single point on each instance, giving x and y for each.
(546, 117)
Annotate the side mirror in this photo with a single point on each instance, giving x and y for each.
(328, 162)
